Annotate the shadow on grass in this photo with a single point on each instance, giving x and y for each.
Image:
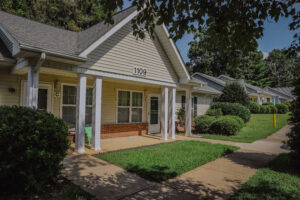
(264, 190)
(280, 179)
(155, 173)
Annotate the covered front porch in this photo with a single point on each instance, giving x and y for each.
(111, 106)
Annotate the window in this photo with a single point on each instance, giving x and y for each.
(130, 106)
(183, 102)
(268, 100)
(69, 104)
(195, 106)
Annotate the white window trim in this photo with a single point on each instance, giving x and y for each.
(42, 85)
(62, 96)
(130, 106)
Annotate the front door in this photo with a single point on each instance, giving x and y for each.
(154, 114)
(44, 96)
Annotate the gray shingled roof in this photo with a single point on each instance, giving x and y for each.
(208, 89)
(285, 90)
(35, 34)
(4, 53)
(217, 80)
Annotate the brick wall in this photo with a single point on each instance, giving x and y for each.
(118, 130)
(123, 130)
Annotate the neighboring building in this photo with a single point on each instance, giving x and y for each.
(284, 93)
(101, 76)
(201, 99)
(255, 93)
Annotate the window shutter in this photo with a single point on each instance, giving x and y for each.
(183, 102)
(195, 106)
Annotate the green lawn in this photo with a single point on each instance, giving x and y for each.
(278, 181)
(164, 161)
(259, 126)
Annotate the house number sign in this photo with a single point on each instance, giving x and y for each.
(139, 71)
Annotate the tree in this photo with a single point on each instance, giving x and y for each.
(245, 18)
(234, 93)
(281, 68)
(72, 15)
(209, 58)
(253, 70)
(294, 135)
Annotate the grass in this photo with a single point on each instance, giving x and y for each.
(259, 126)
(164, 161)
(279, 180)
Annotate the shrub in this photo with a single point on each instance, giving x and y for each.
(233, 109)
(264, 109)
(181, 115)
(234, 93)
(254, 107)
(282, 108)
(267, 104)
(214, 112)
(33, 144)
(294, 135)
(225, 126)
(239, 120)
(289, 105)
(203, 123)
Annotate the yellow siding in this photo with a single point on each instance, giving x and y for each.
(9, 81)
(122, 51)
(109, 93)
(109, 100)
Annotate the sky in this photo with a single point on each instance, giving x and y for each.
(276, 36)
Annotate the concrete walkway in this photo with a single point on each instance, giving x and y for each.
(215, 180)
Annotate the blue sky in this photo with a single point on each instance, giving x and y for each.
(276, 36)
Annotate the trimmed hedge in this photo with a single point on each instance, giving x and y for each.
(239, 120)
(33, 145)
(254, 107)
(203, 123)
(267, 104)
(282, 108)
(214, 112)
(233, 109)
(225, 126)
(268, 108)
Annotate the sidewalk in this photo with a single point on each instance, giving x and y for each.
(215, 180)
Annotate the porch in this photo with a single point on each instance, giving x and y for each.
(122, 143)
(112, 107)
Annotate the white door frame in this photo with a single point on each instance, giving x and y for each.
(42, 85)
(156, 127)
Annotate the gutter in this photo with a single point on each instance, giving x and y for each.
(67, 56)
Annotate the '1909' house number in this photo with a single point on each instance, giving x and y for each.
(139, 71)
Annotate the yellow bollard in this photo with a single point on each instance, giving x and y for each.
(274, 120)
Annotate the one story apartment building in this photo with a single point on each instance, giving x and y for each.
(102, 76)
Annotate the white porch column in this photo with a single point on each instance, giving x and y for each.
(172, 107)
(32, 88)
(259, 99)
(80, 114)
(164, 113)
(96, 118)
(188, 113)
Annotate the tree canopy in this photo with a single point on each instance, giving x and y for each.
(72, 15)
(245, 18)
(208, 57)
